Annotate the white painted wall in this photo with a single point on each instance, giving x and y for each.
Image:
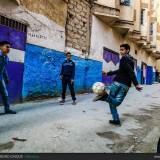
(104, 36)
(109, 3)
(144, 27)
(16, 55)
(126, 13)
(138, 14)
(41, 31)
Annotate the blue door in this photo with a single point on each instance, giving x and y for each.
(112, 63)
(15, 68)
(149, 75)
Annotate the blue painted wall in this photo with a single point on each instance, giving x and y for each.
(42, 69)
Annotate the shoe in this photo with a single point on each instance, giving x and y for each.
(115, 122)
(62, 102)
(74, 103)
(10, 112)
(101, 97)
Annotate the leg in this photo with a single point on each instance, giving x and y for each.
(64, 87)
(158, 146)
(71, 87)
(114, 112)
(4, 94)
(117, 94)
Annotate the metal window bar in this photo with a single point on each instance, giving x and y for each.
(13, 24)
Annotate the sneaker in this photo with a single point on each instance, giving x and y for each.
(115, 122)
(101, 97)
(74, 103)
(10, 112)
(62, 102)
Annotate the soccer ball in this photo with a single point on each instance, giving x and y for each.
(98, 88)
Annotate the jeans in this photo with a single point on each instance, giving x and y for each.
(67, 81)
(4, 94)
(117, 94)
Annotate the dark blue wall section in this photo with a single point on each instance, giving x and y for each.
(149, 77)
(15, 73)
(139, 74)
(42, 69)
(16, 38)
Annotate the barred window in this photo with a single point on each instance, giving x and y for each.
(142, 16)
(125, 2)
(13, 24)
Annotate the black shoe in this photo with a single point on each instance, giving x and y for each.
(115, 122)
(62, 102)
(74, 103)
(101, 97)
(10, 112)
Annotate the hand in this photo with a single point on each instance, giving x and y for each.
(61, 77)
(139, 88)
(104, 73)
(72, 81)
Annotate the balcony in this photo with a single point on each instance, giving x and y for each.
(113, 16)
(107, 14)
(123, 26)
(156, 54)
(142, 41)
(135, 35)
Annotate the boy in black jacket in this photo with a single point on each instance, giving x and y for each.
(67, 76)
(122, 82)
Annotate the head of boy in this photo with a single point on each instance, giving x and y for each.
(5, 47)
(69, 56)
(124, 49)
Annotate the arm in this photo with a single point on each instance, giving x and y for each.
(112, 72)
(62, 68)
(1, 68)
(5, 75)
(127, 67)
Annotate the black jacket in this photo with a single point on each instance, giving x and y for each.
(68, 69)
(125, 74)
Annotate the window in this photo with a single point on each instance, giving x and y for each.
(142, 16)
(125, 2)
(152, 3)
(13, 24)
(151, 29)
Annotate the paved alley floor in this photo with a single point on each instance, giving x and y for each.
(49, 127)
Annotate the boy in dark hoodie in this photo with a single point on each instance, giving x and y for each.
(122, 82)
(67, 76)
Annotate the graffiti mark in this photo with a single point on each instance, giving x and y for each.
(39, 36)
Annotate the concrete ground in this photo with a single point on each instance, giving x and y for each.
(49, 127)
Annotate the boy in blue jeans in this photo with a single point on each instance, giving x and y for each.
(122, 82)
(4, 80)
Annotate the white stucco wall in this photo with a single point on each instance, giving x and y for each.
(104, 36)
(144, 26)
(41, 31)
(109, 3)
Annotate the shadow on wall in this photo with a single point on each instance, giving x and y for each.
(42, 69)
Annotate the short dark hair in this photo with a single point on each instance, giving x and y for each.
(68, 53)
(126, 46)
(4, 42)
